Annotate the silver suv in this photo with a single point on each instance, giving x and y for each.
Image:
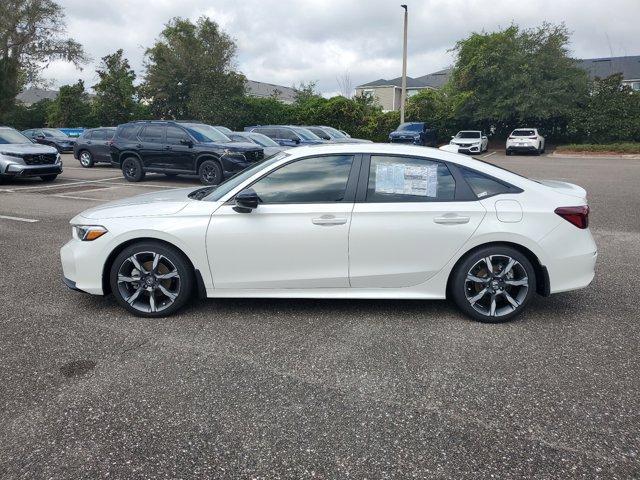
(20, 157)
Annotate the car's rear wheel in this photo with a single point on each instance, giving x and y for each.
(210, 172)
(493, 284)
(151, 279)
(48, 178)
(508, 152)
(132, 169)
(86, 159)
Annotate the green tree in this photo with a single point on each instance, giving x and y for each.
(116, 96)
(71, 107)
(31, 35)
(512, 77)
(189, 72)
(33, 116)
(437, 108)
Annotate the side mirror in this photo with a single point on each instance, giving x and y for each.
(453, 136)
(187, 142)
(40, 136)
(296, 141)
(246, 201)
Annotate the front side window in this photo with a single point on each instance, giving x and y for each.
(311, 180)
(175, 135)
(287, 134)
(408, 179)
(482, 185)
(152, 134)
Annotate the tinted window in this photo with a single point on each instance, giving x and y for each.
(87, 134)
(407, 179)
(128, 131)
(468, 135)
(99, 135)
(319, 132)
(315, 180)
(152, 133)
(523, 133)
(175, 134)
(287, 134)
(206, 133)
(482, 185)
(412, 127)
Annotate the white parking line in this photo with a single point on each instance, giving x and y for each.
(19, 219)
(73, 197)
(489, 154)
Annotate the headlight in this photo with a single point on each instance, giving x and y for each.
(87, 233)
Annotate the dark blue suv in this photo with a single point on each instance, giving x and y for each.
(288, 135)
(417, 133)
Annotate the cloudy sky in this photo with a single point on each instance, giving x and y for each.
(291, 41)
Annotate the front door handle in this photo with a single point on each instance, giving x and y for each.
(329, 220)
(451, 220)
(168, 147)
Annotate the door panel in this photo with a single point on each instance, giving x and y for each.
(280, 246)
(152, 148)
(405, 244)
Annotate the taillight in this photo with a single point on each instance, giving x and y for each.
(511, 138)
(579, 216)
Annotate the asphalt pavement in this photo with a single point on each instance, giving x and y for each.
(248, 388)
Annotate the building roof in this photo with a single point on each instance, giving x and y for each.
(266, 90)
(628, 66)
(34, 95)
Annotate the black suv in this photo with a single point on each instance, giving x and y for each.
(179, 148)
(417, 133)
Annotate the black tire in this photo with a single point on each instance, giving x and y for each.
(463, 290)
(210, 172)
(86, 158)
(48, 178)
(132, 169)
(508, 153)
(181, 285)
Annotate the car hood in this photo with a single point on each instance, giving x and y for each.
(28, 148)
(154, 204)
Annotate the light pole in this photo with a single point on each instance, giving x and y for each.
(403, 95)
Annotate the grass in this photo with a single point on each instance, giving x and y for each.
(623, 147)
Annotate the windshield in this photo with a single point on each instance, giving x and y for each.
(334, 133)
(262, 140)
(215, 193)
(523, 133)
(52, 132)
(468, 135)
(412, 127)
(205, 133)
(306, 134)
(9, 135)
(224, 130)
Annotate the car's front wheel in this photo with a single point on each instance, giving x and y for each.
(210, 172)
(493, 284)
(151, 279)
(86, 159)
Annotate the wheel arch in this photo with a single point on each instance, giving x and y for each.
(543, 285)
(208, 156)
(127, 154)
(106, 285)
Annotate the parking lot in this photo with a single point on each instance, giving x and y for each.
(309, 388)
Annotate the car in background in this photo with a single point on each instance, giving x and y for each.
(526, 140)
(222, 129)
(470, 141)
(21, 158)
(341, 221)
(52, 137)
(269, 146)
(417, 133)
(94, 146)
(288, 135)
(179, 148)
(333, 135)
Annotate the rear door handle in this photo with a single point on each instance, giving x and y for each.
(167, 147)
(451, 220)
(329, 220)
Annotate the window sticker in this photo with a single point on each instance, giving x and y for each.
(407, 179)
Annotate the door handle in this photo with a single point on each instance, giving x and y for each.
(138, 145)
(167, 147)
(451, 220)
(329, 220)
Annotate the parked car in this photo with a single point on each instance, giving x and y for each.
(288, 135)
(341, 221)
(269, 146)
(222, 129)
(179, 148)
(527, 140)
(417, 133)
(94, 146)
(334, 136)
(52, 137)
(20, 157)
(470, 141)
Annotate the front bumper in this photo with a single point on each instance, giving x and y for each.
(411, 141)
(468, 148)
(16, 170)
(82, 265)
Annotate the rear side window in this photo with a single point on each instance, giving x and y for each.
(409, 179)
(128, 131)
(88, 135)
(152, 133)
(99, 135)
(484, 186)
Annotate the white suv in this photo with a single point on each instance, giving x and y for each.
(525, 140)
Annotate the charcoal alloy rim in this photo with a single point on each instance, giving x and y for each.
(209, 173)
(130, 168)
(149, 282)
(85, 159)
(496, 285)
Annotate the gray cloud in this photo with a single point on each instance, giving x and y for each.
(288, 42)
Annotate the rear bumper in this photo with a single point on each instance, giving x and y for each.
(525, 148)
(15, 170)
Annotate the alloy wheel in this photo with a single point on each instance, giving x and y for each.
(496, 285)
(209, 174)
(149, 282)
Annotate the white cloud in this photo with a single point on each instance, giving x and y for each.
(292, 41)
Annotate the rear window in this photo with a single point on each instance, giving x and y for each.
(523, 133)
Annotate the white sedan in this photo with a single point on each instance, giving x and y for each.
(470, 141)
(341, 221)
